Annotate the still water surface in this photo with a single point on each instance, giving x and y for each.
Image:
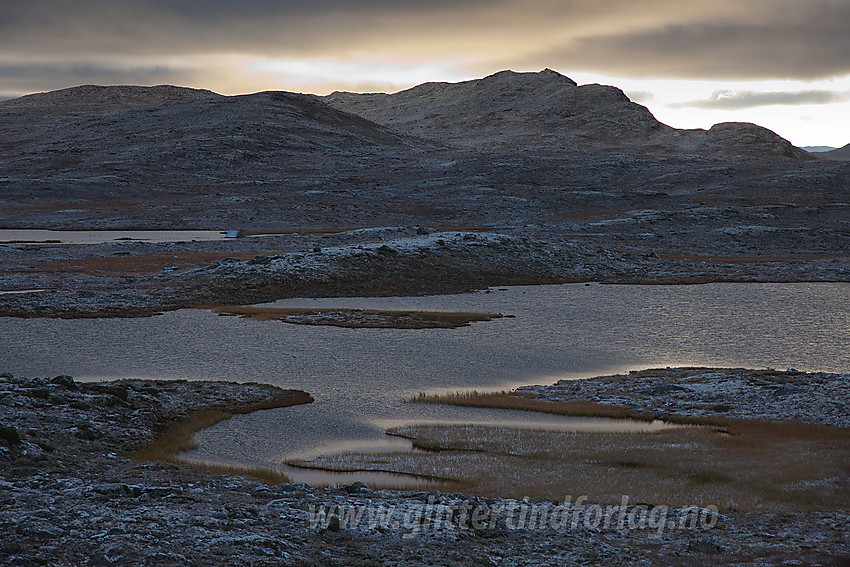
(360, 377)
(36, 236)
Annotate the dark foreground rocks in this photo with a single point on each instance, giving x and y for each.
(70, 495)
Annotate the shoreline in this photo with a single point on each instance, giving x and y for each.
(139, 279)
(746, 422)
(107, 509)
(46, 309)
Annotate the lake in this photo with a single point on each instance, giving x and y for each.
(360, 377)
(41, 236)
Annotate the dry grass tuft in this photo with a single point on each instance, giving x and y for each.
(179, 437)
(735, 464)
(526, 401)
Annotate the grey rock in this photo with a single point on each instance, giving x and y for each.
(65, 381)
(704, 545)
(22, 472)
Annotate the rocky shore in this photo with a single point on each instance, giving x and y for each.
(70, 495)
(812, 397)
(134, 279)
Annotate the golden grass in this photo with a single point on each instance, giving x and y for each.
(527, 401)
(267, 475)
(179, 436)
(735, 464)
(750, 470)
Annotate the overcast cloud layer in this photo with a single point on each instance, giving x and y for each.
(747, 99)
(782, 63)
(164, 39)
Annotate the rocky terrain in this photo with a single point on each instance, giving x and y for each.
(69, 495)
(514, 178)
(839, 154)
(548, 112)
(746, 394)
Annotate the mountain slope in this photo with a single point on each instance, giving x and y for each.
(546, 110)
(92, 98)
(135, 130)
(530, 109)
(840, 154)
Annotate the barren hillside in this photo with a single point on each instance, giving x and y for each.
(548, 111)
(514, 178)
(840, 154)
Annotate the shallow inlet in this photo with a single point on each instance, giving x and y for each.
(303, 472)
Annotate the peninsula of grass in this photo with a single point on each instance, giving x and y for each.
(526, 401)
(732, 463)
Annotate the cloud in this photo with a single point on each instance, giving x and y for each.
(273, 28)
(723, 39)
(782, 39)
(17, 79)
(732, 100)
(712, 51)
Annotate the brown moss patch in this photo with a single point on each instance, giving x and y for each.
(132, 265)
(358, 318)
(714, 259)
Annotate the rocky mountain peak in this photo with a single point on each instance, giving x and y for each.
(752, 140)
(525, 80)
(509, 108)
(548, 111)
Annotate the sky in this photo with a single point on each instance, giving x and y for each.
(783, 64)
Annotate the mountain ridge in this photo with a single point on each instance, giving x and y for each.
(548, 110)
(517, 111)
(92, 97)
